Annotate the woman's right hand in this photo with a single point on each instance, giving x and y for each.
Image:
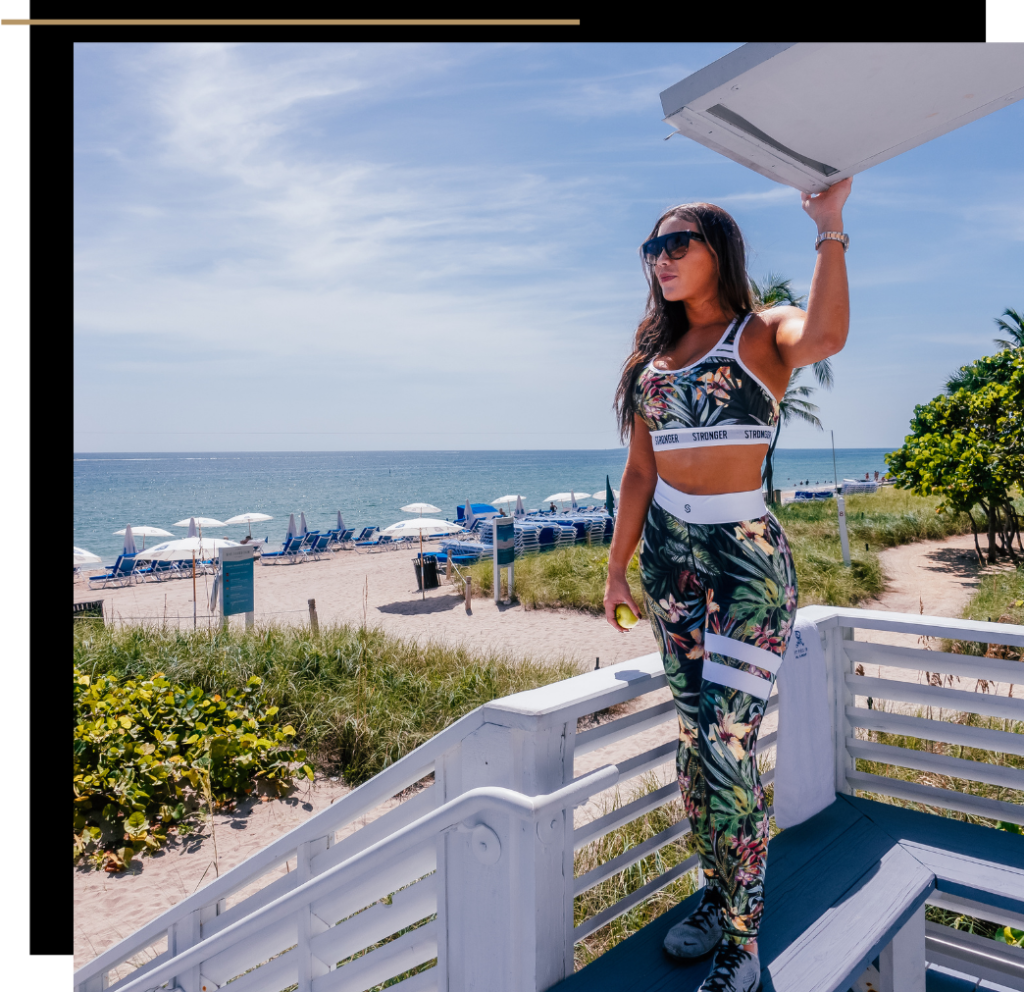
(616, 591)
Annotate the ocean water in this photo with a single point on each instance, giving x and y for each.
(369, 487)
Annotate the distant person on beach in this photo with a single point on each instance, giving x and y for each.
(698, 401)
(552, 507)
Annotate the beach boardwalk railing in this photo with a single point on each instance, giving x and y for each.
(461, 874)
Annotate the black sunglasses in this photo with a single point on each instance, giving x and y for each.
(675, 245)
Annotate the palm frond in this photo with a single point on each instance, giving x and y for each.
(1014, 329)
(774, 291)
(823, 373)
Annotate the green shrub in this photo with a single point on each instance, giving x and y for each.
(147, 752)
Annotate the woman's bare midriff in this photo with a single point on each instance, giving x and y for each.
(727, 468)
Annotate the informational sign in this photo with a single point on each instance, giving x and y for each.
(236, 573)
(504, 541)
(504, 536)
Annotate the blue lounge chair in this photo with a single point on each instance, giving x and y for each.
(366, 537)
(319, 546)
(120, 574)
(291, 553)
(341, 537)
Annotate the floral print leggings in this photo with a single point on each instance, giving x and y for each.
(722, 600)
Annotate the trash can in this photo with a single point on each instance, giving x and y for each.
(429, 577)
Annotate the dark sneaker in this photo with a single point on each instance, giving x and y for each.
(734, 970)
(698, 934)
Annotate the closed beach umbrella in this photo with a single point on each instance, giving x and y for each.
(129, 541)
(291, 528)
(248, 518)
(83, 557)
(341, 523)
(469, 514)
(202, 547)
(609, 496)
(572, 497)
(519, 507)
(303, 529)
(192, 531)
(144, 531)
(421, 508)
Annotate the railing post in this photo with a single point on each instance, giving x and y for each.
(183, 935)
(838, 665)
(901, 963)
(505, 886)
(310, 967)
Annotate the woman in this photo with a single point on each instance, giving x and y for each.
(699, 403)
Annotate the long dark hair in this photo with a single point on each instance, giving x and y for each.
(665, 321)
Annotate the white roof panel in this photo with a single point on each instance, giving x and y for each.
(808, 114)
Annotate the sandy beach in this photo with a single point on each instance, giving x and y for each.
(938, 574)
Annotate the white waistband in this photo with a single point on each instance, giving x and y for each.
(701, 437)
(721, 508)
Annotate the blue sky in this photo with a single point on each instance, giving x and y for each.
(377, 246)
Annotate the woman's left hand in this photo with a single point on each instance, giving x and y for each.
(826, 209)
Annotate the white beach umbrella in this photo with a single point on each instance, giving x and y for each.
(421, 508)
(291, 528)
(422, 526)
(203, 547)
(509, 499)
(602, 494)
(341, 522)
(248, 518)
(303, 529)
(469, 514)
(200, 522)
(559, 498)
(520, 511)
(129, 541)
(83, 557)
(143, 531)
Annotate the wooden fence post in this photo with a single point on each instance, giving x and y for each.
(469, 592)
(314, 624)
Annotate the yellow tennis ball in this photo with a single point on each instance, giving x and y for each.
(625, 617)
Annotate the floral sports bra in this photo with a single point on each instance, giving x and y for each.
(717, 400)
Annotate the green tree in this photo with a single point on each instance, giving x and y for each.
(968, 447)
(995, 368)
(775, 291)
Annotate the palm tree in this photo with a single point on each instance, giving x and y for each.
(775, 291)
(1014, 329)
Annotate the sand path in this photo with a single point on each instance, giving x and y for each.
(939, 574)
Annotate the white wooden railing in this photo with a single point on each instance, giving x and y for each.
(475, 870)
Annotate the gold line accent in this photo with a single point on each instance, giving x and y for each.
(362, 22)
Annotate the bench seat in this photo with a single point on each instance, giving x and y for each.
(838, 888)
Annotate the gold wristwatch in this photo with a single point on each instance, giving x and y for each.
(843, 239)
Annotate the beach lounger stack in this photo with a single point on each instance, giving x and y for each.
(859, 486)
(528, 532)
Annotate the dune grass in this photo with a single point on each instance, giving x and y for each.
(999, 598)
(358, 698)
(574, 577)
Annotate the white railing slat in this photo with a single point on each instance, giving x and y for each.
(384, 962)
(407, 907)
(271, 976)
(1000, 741)
(624, 905)
(628, 858)
(942, 662)
(587, 833)
(626, 726)
(767, 741)
(941, 764)
(640, 763)
(826, 617)
(958, 700)
(928, 795)
(412, 809)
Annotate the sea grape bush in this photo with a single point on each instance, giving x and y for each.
(149, 753)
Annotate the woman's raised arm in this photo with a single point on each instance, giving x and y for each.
(807, 337)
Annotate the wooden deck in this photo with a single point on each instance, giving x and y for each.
(837, 890)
